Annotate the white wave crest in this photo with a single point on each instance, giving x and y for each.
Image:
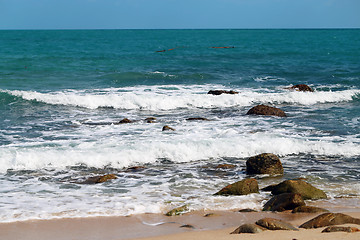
(174, 97)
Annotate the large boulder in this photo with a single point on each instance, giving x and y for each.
(265, 163)
(329, 219)
(275, 224)
(266, 110)
(285, 201)
(302, 88)
(309, 209)
(219, 92)
(306, 190)
(242, 187)
(248, 228)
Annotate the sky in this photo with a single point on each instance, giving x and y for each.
(174, 14)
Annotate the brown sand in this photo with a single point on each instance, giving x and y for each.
(157, 226)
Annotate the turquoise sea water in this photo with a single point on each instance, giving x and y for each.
(62, 93)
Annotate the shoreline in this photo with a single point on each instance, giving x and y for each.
(192, 225)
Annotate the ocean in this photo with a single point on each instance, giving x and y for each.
(63, 92)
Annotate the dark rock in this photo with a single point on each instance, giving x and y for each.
(306, 190)
(265, 163)
(99, 179)
(178, 211)
(125, 120)
(275, 224)
(209, 214)
(340, 229)
(243, 187)
(167, 128)
(266, 110)
(225, 166)
(329, 219)
(285, 201)
(249, 228)
(187, 226)
(302, 88)
(150, 120)
(197, 119)
(219, 92)
(309, 209)
(268, 188)
(135, 169)
(247, 210)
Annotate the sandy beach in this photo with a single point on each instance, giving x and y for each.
(193, 225)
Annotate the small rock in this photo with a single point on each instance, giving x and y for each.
(135, 169)
(187, 226)
(99, 179)
(247, 210)
(275, 224)
(306, 190)
(219, 92)
(125, 120)
(340, 229)
(167, 128)
(329, 219)
(178, 211)
(302, 88)
(150, 120)
(285, 201)
(209, 214)
(197, 119)
(249, 228)
(225, 166)
(243, 187)
(265, 163)
(309, 209)
(266, 110)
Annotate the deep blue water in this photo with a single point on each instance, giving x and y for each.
(61, 90)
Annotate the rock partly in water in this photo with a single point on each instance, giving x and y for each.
(302, 88)
(275, 224)
(150, 120)
(219, 92)
(266, 110)
(309, 209)
(178, 211)
(125, 120)
(242, 187)
(340, 229)
(306, 190)
(167, 128)
(265, 163)
(245, 210)
(249, 228)
(135, 169)
(197, 119)
(285, 201)
(99, 179)
(225, 166)
(329, 219)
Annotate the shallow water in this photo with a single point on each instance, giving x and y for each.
(62, 94)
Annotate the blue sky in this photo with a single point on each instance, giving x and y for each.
(154, 14)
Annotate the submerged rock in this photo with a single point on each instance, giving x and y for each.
(167, 128)
(328, 219)
(302, 88)
(285, 201)
(309, 209)
(275, 224)
(125, 120)
(99, 179)
(248, 228)
(340, 229)
(197, 119)
(225, 166)
(178, 211)
(266, 110)
(150, 120)
(265, 163)
(219, 92)
(243, 187)
(306, 190)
